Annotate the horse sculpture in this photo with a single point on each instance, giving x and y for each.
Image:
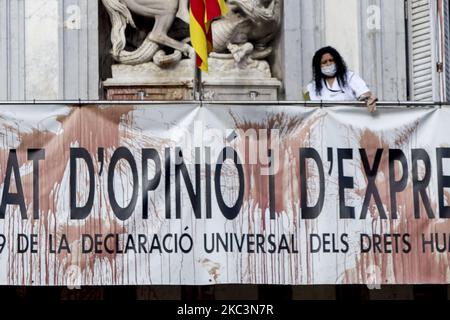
(163, 11)
(247, 30)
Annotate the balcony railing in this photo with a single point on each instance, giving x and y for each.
(383, 104)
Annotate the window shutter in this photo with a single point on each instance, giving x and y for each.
(421, 50)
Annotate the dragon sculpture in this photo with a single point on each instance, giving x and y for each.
(244, 33)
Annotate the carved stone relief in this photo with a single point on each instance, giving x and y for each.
(241, 39)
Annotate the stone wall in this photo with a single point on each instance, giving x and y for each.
(48, 49)
(58, 49)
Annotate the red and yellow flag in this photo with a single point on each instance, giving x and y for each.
(202, 13)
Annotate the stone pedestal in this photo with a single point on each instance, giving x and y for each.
(241, 90)
(156, 92)
(150, 82)
(226, 81)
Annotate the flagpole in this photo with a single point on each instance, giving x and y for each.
(198, 85)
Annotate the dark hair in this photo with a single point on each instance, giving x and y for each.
(341, 68)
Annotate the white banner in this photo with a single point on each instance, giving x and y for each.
(183, 195)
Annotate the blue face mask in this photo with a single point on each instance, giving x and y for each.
(329, 71)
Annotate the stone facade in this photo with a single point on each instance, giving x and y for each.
(48, 49)
(59, 49)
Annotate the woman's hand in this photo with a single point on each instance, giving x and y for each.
(371, 101)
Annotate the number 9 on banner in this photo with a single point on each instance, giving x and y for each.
(2, 242)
